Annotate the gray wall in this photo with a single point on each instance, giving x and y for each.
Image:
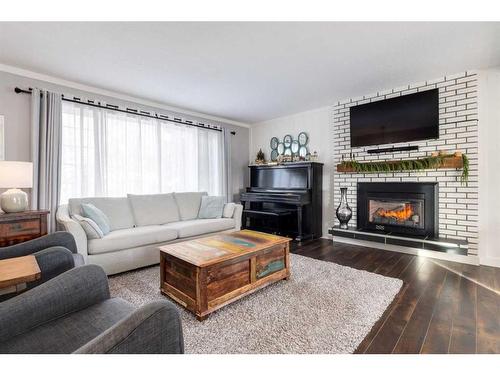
(16, 109)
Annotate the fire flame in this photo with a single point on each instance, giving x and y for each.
(402, 214)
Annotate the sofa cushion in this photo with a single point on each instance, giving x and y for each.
(197, 227)
(153, 209)
(67, 334)
(117, 210)
(211, 207)
(131, 237)
(189, 204)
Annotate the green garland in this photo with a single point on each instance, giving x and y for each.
(431, 162)
(465, 170)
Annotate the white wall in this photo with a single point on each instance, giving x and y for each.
(489, 167)
(316, 124)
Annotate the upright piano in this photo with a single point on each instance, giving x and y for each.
(285, 199)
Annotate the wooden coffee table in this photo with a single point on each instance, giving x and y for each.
(208, 273)
(15, 271)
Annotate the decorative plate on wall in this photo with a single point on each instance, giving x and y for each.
(303, 139)
(274, 143)
(303, 151)
(274, 155)
(287, 140)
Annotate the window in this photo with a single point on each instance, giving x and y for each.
(109, 153)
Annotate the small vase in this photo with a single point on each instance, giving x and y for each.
(344, 212)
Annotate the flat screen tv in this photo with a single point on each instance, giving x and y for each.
(405, 118)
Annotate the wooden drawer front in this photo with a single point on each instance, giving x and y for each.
(20, 228)
(181, 277)
(225, 279)
(270, 261)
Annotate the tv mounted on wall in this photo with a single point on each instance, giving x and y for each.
(405, 118)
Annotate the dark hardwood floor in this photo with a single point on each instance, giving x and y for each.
(443, 307)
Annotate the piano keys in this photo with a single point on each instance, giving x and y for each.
(285, 199)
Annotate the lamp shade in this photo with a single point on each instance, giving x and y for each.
(16, 174)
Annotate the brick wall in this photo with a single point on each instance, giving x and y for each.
(458, 131)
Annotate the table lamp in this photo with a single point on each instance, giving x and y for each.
(13, 176)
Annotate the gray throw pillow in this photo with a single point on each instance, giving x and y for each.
(211, 207)
(99, 217)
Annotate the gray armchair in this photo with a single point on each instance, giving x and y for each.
(73, 313)
(55, 254)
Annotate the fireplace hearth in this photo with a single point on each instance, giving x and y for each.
(399, 208)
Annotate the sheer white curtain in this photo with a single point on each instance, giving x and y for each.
(109, 153)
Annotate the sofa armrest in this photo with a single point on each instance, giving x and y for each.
(62, 239)
(238, 211)
(71, 291)
(73, 227)
(154, 328)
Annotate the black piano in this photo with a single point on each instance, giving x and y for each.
(285, 199)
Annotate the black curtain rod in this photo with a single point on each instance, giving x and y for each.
(129, 111)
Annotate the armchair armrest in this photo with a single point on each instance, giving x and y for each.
(71, 291)
(73, 227)
(52, 262)
(238, 211)
(62, 239)
(154, 328)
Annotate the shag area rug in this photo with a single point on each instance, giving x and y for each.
(323, 308)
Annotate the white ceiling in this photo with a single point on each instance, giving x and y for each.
(249, 72)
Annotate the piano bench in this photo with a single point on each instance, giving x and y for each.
(276, 216)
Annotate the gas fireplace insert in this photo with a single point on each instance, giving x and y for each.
(399, 208)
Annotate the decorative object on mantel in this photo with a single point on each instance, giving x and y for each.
(440, 160)
(13, 176)
(260, 159)
(314, 156)
(344, 212)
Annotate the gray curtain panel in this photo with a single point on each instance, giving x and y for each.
(46, 126)
(226, 162)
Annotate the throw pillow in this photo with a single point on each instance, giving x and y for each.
(211, 207)
(228, 210)
(92, 212)
(90, 227)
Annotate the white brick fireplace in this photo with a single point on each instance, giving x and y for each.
(458, 131)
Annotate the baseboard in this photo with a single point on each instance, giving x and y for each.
(489, 261)
(466, 259)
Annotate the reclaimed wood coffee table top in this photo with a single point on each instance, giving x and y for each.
(206, 251)
(18, 270)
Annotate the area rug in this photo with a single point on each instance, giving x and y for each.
(323, 308)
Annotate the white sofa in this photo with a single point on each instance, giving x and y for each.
(139, 224)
